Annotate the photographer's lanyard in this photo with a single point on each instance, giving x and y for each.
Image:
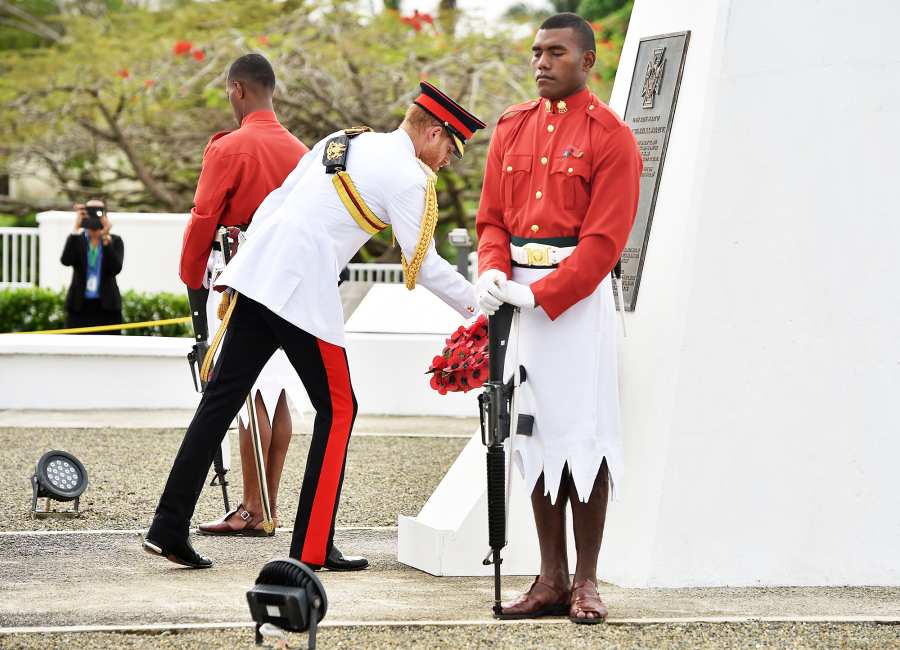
(94, 257)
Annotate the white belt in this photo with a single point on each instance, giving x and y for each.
(539, 254)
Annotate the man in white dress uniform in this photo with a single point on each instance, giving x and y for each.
(559, 197)
(351, 185)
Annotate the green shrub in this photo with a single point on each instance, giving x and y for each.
(34, 309)
(139, 307)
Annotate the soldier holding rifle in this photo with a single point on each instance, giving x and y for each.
(559, 198)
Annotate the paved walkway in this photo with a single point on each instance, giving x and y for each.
(65, 576)
(105, 579)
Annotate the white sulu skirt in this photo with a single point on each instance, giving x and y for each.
(572, 391)
(278, 374)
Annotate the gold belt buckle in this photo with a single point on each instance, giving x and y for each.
(538, 254)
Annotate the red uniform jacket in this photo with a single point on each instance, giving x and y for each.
(560, 169)
(240, 168)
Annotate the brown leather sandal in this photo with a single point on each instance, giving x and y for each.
(238, 523)
(586, 600)
(540, 600)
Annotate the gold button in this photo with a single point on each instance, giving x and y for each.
(591, 107)
(550, 128)
(535, 228)
(509, 168)
(571, 170)
(543, 160)
(538, 194)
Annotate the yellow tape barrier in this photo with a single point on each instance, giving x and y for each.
(109, 328)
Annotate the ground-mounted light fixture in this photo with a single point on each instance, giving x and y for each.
(58, 476)
(288, 596)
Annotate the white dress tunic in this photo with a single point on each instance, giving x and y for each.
(571, 389)
(302, 235)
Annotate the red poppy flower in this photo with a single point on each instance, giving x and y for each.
(262, 39)
(198, 55)
(182, 47)
(464, 359)
(149, 83)
(123, 73)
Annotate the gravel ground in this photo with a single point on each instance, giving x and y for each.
(514, 637)
(127, 470)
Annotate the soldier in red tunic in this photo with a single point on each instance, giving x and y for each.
(559, 198)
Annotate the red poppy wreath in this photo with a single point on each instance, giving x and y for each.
(463, 365)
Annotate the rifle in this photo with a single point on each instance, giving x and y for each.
(227, 240)
(495, 413)
(197, 299)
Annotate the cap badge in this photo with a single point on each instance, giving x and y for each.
(561, 106)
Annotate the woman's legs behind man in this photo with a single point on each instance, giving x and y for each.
(275, 438)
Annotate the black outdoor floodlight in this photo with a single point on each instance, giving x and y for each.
(288, 595)
(60, 476)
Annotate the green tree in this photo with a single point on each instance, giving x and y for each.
(599, 9)
(126, 102)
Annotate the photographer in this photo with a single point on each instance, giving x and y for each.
(96, 259)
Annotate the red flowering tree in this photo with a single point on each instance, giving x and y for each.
(138, 138)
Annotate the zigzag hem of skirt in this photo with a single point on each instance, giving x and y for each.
(584, 466)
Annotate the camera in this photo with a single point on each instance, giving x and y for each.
(91, 221)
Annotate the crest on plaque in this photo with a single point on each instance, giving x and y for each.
(335, 150)
(654, 76)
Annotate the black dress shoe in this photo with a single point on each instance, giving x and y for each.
(337, 561)
(183, 553)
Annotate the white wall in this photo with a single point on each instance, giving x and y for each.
(391, 339)
(152, 249)
(62, 372)
(763, 361)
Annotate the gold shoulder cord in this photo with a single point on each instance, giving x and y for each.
(220, 333)
(426, 230)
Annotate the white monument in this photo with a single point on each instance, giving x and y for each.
(762, 362)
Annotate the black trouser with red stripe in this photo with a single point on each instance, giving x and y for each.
(254, 334)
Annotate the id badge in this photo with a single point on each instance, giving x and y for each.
(92, 284)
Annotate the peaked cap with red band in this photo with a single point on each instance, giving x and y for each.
(459, 122)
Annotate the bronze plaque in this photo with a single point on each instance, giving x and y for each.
(649, 113)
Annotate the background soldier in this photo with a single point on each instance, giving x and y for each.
(559, 198)
(351, 185)
(240, 168)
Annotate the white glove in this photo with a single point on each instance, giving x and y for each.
(518, 295)
(487, 291)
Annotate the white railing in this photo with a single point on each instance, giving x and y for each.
(18, 257)
(374, 272)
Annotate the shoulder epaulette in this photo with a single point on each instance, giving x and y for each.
(337, 149)
(517, 109)
(604, 114)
